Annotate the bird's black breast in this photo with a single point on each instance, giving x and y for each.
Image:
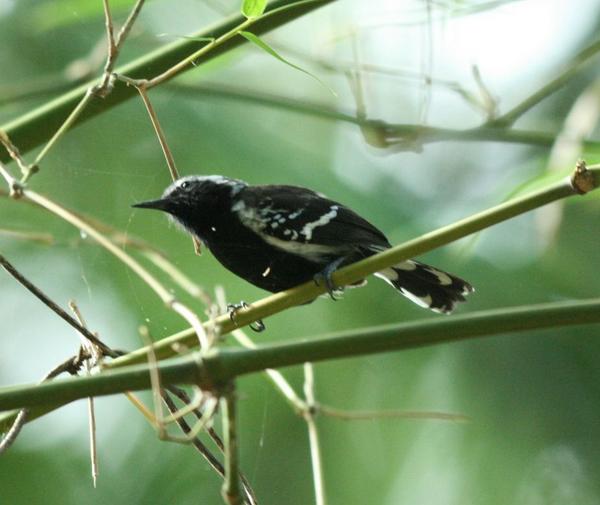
(277, 237)
(244, 253)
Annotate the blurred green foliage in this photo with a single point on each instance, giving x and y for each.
(533, 399)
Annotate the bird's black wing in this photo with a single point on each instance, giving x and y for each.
(294, 216)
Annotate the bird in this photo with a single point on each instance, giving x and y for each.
(279, 236)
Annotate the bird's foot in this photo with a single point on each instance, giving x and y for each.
(232, 309)
(324, 277)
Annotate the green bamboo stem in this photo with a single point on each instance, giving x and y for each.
(220, 366)
(137, 377)
(469, 325)
(359, 270)
(36, 127)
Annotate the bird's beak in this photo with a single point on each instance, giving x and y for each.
(160, 204)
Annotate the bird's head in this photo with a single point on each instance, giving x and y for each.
(195, 200)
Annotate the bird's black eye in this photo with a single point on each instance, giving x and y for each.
(185, 185)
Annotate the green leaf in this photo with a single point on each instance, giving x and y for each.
(253, 8)
(265, 47)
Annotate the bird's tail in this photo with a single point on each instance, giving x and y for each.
(427, 286)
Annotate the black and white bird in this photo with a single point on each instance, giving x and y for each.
(277, 237)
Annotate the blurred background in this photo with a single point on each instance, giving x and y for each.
(533, 399)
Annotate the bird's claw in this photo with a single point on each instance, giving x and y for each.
(324, 277)
(232, 308)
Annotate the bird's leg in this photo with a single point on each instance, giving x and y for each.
(232, 308)
(325, 276)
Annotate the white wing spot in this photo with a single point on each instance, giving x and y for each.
(238, 206)
(424, 301)
(389, 275)
(308, 228)
(443, 278)
(406, 266)
(311, 252)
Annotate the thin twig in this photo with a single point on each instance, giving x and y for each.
(102, 89)
(160, 420)
(394, 136)
(110, 34)
(71, 118)
(370, 415)
(126, 28)
(250, 497)
(186, 428)
(189, 61)
(279, 381)
(231, 485)
(313, 434)
(577, 63)
(159, 132)
(11, 435)
(142, 89)
(95, 355)
(164, 294)
(13, 151)
(40, 237)
(16, 189)
(39, 294)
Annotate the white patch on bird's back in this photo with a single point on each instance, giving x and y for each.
(294, 234)
(238, 206)
(326, 218)
(311, 252)
(252, 218)
(294, 215)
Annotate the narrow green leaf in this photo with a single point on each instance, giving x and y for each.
(253, 8)
(265, 47)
